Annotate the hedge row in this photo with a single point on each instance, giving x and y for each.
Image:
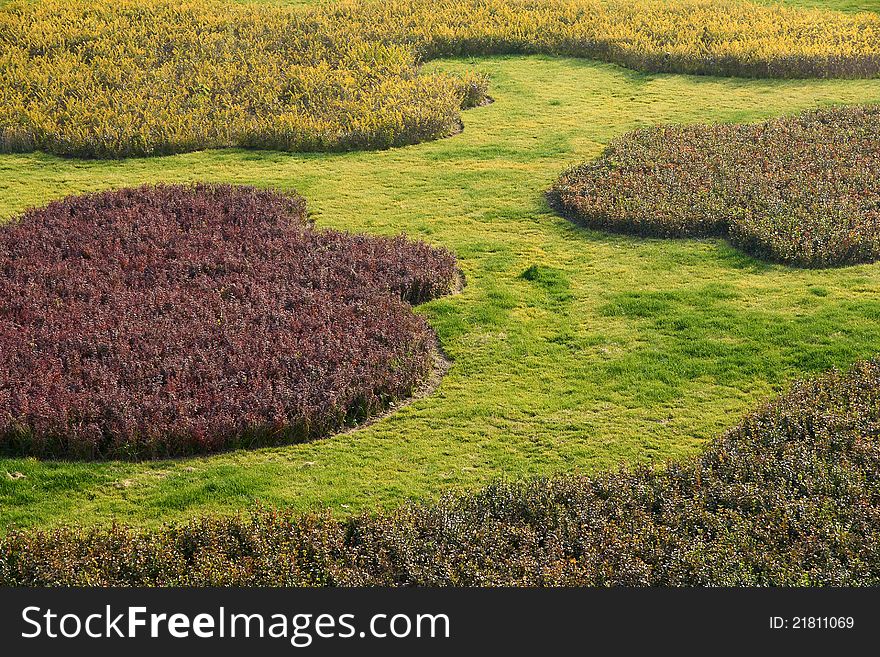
(789, 497)
(101, 78)
(801, 190)
(174, 320)
(121, 78)
(735, 38)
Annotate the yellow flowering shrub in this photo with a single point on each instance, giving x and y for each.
(718, 37)
(136, 77)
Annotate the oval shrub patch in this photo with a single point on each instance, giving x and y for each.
(175, 320)
(801, 190)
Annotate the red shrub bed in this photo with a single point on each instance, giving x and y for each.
(801, 190)
(173, 320)
(790, 497)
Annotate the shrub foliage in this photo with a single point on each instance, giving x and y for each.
(96, 78)
(174, 320)
(801, 190)
(789, 497)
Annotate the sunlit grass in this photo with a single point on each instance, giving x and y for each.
(573, 350)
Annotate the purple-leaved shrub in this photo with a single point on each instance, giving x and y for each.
(800, 190)
(789, 497)
(174, 320)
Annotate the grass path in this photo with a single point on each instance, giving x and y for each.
(610, 349)
(837, 5)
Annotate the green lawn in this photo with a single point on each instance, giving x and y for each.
(612, 350)
(839, 5)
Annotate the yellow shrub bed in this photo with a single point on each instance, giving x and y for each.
(128, 78)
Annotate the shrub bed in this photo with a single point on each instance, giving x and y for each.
(94, 78)
(800, 190)
(174, 320)
(790, 497)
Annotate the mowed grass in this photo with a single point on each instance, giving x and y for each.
(572, 350)
(837, 5)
